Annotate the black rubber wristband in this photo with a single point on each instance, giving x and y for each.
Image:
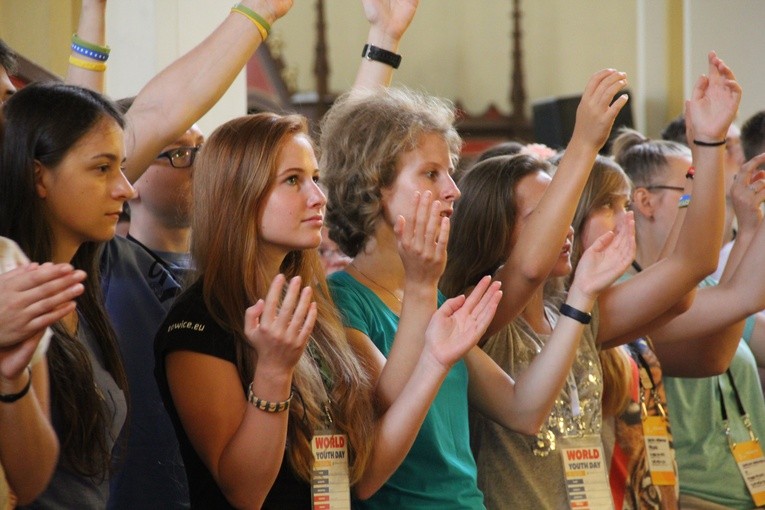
(13, 397)
(709, 144)
(380, 55)
(577, 315)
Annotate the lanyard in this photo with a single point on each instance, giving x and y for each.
(326, 381)
(741, 411)
(646, 380)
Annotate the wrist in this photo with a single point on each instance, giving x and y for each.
(262, 9)
(15, 388)
(581, 299)
(378, 37)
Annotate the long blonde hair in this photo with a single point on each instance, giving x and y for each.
(234, 173)
(606, 182)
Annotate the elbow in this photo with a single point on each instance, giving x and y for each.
(531, 427)
(363, 493)
(27, 491)
(683, 305)
(365, 490)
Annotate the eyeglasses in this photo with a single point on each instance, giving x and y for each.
(181, 157)
(661, 186)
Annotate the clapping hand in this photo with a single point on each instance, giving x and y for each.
(278, 329)
(33, 297)
(422, 236)
(606, 259)
(457, 326)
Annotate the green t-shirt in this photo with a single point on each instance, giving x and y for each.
(706, 465)
(439, 472)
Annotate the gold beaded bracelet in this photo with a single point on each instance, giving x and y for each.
(268, 406)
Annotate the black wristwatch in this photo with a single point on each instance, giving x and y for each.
(380, 55)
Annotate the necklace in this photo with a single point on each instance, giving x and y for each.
(362, 273)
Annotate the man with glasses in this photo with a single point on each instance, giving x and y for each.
(143, 273)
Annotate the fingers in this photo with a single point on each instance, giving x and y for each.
(272, 298)
(611, 85)
(596, 80)
(700, 88)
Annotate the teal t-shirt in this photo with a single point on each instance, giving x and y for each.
(705, 463)
(439, 472)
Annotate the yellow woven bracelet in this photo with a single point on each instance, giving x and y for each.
(257, 20)
(90, 66)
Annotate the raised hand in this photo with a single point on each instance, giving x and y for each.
(748, 192)
(272, 10)
(389, 18)
(595, 114)
(422, 237)
(457, 326)
(279, 331)
(606, 259)
(714, 102)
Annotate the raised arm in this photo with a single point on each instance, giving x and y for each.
(452, 331)
(523, 405)
(539, 243)
(179, 95)
(703, 340)
(627, 308)
(388, 21)
(86, 70)
(241, 445)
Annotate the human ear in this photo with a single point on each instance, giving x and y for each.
(42, 182)
(642, 202)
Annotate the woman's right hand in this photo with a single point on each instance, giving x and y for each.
(595, 114)
(422, 237)
(278, 329)
(606, 259)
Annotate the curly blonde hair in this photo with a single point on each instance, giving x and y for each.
(362, 137)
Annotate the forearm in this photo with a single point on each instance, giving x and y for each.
(373, 74)
(28, 445)
(531, 397)
(700, 357)
(700, 238)
(250, 462)
(397, 429)
(419, 304)
(91, 28)
(179, 95)
(540, 242)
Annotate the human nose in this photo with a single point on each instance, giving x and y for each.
(316, 196)
(450, 192)
(122, 189)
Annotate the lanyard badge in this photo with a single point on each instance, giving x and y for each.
(748, 454)
(658, 442)
(584, 466)
(330, 486)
